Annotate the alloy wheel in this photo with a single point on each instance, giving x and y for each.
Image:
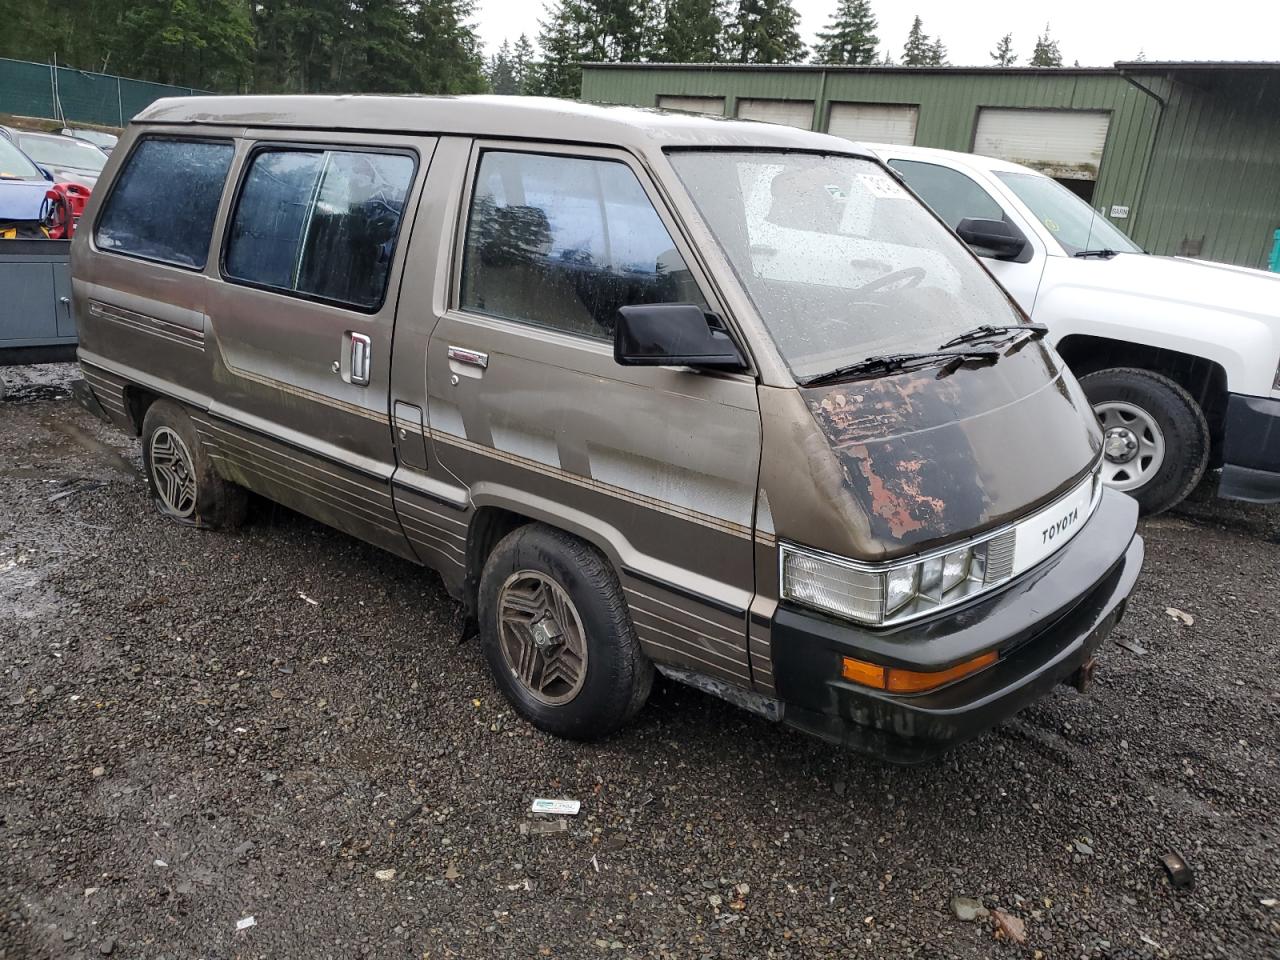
(542, 638)
(173, 473)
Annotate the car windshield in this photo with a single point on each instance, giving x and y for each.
(840, 261)
(93, 136)
(63, 152)
(14, 164)
(1074, 224)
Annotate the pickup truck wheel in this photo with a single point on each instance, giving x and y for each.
(556, 632)
(181, 476)
(1155, 437)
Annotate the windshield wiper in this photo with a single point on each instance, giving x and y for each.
(987, 331)
(892, 362)
(1102, 254)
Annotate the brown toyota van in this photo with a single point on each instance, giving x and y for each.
(649, 391)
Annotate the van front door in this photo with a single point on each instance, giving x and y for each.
(657, 466)
(301, 316)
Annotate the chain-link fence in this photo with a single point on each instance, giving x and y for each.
(77, 96)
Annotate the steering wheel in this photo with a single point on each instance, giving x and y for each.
(903, 279)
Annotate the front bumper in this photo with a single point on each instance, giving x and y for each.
(1045, 625)
(1251, 450)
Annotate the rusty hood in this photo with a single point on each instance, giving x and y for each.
(928, 456)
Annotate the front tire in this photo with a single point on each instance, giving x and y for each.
(183, 482)
(557, 634)
(1155, 436)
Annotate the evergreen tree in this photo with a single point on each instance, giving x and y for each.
(764, 31)
(447, 56)
(523, 67)
(918, 50)
(937, 53)
(500, 71)
(850, 37)
(1003, 55)
(692, 31)
(1046, 52)
(562, 37)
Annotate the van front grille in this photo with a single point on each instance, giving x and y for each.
(1000, 557)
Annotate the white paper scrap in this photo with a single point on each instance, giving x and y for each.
(568, 808)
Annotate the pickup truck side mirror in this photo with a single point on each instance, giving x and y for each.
(672, 334)
(997, 239)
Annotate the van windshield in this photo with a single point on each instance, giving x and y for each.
(1074, 224)
(840, 261)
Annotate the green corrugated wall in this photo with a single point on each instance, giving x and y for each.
(1210, 168)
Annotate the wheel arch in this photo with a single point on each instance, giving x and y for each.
(1205, 380)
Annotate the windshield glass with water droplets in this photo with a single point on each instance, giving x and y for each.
(841, 262)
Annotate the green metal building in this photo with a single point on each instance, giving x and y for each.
(1184, 157)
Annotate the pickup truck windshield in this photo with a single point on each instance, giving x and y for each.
(840, 261)
(1074, 224)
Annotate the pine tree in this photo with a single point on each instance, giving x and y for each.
(523, 67)
(917, 51)
(564, 44)
(447, 56)
(850, 37)
(764, 31)
(1003, 55)
(937, 53)
(500, 71)
(1046, 52)
(692, 31)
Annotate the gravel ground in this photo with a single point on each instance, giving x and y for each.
(204, 728)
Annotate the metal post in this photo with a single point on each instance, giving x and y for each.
(119, 103)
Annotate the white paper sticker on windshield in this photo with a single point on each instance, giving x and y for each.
(881, 186)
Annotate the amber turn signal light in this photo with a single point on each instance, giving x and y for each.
(896, 680)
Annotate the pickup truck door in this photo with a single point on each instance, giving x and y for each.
(954, 196)
(301, 316)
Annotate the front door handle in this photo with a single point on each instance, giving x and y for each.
(473, 358)
(361, 358)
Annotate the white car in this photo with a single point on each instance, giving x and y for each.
(1180, 358)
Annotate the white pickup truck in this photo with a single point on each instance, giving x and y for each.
(1180, 358)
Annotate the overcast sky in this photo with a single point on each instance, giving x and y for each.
(1096, 34)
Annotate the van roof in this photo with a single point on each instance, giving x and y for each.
(535, 118)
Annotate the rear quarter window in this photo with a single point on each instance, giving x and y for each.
(163, 203)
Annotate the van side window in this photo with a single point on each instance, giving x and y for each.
(563, 242)
(321, 224)
(952, 195)
(162, 204)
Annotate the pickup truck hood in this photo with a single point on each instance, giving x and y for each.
(921, 459)
(1200, 283)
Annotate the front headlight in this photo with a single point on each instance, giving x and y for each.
(883, 594)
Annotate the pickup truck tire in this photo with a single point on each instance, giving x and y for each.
(557, 634)
(1148, 409)
(183, 481)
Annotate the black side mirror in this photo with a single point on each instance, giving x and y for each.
(672, 334)
(995, 238)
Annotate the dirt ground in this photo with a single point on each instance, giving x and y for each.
(222, 745)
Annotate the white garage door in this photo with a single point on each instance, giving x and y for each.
(713, 105)
(1066, 144)
(794, 113)
(874, 122)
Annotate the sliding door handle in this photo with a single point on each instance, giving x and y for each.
(361, 358)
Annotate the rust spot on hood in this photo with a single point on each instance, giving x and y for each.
(897, 494)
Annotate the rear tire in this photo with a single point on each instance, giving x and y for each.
(183, 481)
(1156, 439)
(557, 634)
